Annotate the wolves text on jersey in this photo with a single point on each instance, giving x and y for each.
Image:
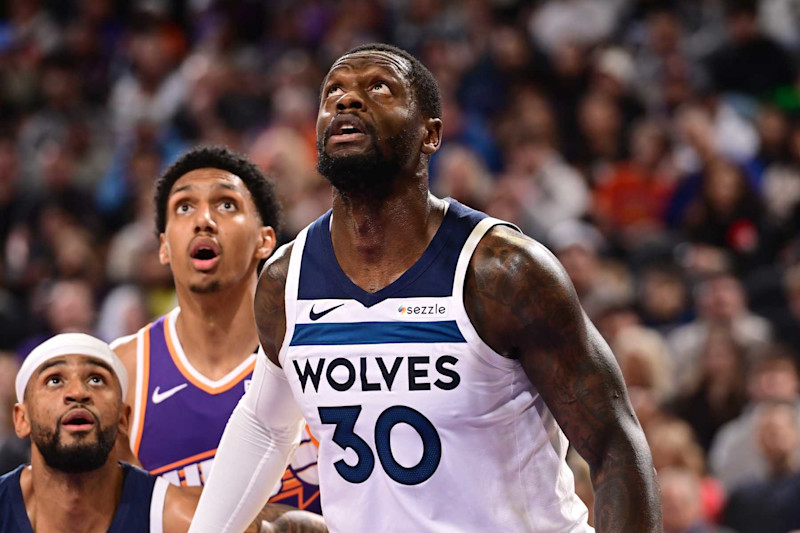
(342, 375)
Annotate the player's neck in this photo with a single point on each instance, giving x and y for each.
(375, 242)
(73, 503)
(217, 331)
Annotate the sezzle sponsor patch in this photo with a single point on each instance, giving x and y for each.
(433, 310)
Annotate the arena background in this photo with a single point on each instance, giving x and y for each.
(653, 146)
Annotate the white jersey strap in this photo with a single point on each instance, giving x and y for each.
(291, 290)
(157, 505)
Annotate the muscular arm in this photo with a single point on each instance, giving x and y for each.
(524, 307)
(270, 304)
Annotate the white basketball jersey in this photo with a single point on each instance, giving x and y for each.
(422, 426)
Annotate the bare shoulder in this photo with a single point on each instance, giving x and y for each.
(125, 347)
(514, 283)
(270, 304)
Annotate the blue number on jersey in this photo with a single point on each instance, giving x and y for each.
(345, 420)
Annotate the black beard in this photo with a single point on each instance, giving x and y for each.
(77, 458)
(369, 175)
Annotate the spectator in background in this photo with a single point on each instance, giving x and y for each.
(681, 502)
(673, 445)
(770, 506)
(65, 119)
(750, 63)
(665, 74)
(720, 302)
(13, 451)
(645, 362)
(631, 197)
(68, 307)
(577, 246)
(716, 393)
(153, 90)
(543, 190)
(788, 325)
(664, 298)
(727, 213)
(735, 457)
(463, 175)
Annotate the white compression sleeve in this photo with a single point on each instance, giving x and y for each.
(258, 441)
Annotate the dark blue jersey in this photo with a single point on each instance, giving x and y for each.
(139, 505)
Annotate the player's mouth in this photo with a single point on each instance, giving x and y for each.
(78, 420)
(346, 129)
(205, 255)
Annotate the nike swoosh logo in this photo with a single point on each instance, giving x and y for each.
(159, 396)
(316, 316)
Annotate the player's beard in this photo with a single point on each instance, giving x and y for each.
(206, 288)
(74, 458)
(369, 175)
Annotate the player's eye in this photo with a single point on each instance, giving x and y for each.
(97, 380)
(380, 88)
(53, 381)
(183, 209)
(334, 90)
(227, 205)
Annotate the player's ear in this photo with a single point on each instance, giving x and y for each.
(163, 250)
(433, 135)
(267, 241)
(22, 425)
(124, 418)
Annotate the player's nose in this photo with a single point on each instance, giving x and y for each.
(204, 219)
(77, 391)
(350, 100)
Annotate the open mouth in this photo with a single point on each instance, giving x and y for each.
(78, 420)
(345, 128)
(204, 256)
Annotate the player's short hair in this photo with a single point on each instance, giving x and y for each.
(426, 90)
(261, 188)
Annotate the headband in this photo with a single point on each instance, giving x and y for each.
(67, 344)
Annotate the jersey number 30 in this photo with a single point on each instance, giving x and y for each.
(345, 420)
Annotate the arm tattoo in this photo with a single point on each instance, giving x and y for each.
(523, 306)
(269, 306)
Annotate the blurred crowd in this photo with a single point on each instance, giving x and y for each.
(653, 146)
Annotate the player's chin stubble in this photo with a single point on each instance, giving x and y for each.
(206, 288)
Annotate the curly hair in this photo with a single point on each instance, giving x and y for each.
(261, 188)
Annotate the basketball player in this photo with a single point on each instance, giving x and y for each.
(71, 392)
(440, 357)
(216, 215)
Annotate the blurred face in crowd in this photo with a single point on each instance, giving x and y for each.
(664, 31)
(72, 411)
(777, 434)
(773, 379)
(71, 307)
(214, 237)
(680, 498)
(721, 298)
(369, 125)
(663, 295)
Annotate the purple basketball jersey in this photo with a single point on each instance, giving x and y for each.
(179, 416)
